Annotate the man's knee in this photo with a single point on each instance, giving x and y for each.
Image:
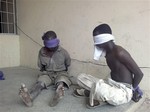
(45, 80)
(63, 79)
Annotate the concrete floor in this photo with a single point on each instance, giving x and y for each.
(10, 101)
(145, 105)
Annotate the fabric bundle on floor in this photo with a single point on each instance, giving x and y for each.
(1, 76)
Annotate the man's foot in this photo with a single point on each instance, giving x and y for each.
(58, 96)
(25, 96)
(96, 104)
(81, 93)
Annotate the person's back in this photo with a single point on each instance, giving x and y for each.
(119, 71)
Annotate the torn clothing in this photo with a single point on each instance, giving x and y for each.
(115, 93)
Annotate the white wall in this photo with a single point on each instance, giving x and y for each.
(9, 51)
(74, 21)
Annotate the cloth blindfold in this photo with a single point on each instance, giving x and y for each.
(51, 43)
(100, 39)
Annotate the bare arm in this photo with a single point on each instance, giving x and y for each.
(128, 61)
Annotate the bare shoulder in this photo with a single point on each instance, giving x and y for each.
(121, 52)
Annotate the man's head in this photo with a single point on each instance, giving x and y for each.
(102, 29)
(50, 40)
(49, 35)
(101, 35)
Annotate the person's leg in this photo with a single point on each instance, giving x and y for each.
(81, 93)
(113, 93)
(58, 94)
(61, 82)
(85, 81)
(96, 104)
(36, 90)
(95, 99)
(29, 95)
(25, 95)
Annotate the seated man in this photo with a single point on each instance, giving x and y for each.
(53, 61)
(125, 74)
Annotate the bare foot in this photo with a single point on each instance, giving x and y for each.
(58, 96)
(25, 96)
(60, 90)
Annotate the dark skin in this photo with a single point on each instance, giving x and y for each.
(121, 64)
(123, 67)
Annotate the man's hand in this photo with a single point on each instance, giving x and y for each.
(137, 94)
